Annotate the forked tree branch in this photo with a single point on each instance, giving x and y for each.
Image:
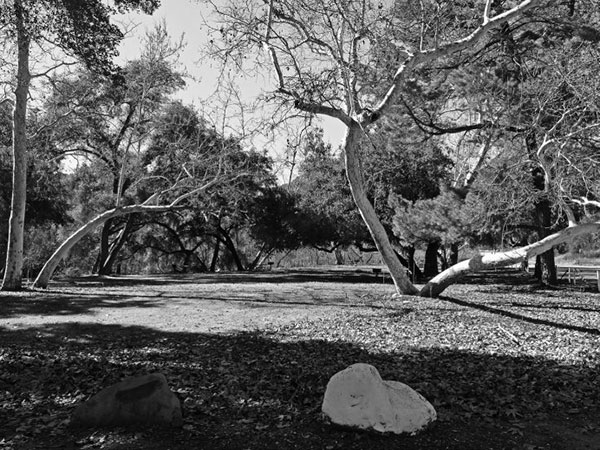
(451, 48)
(299, 103)
(583, 201)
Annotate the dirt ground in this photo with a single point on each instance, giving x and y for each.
(271, 340)
(209, 303)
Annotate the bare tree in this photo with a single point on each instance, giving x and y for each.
(83, 30)
(321, 52)
(155, 203)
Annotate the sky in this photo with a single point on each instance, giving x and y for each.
(186, 17)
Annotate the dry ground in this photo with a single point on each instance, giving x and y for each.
(505, 364)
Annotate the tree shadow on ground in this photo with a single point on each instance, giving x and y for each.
(63, 304)
(260, 391)
(88, 299)
(525, 318)
(300, 275)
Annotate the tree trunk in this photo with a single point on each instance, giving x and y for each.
(261, 256)
(46, 273)
(491, 260)
(378, 233)
(431, 259)
(215, 256)
(453, 254)
(545, 266)
(107, 267)
(261, 261)
(16, 225)
(63, 250)
(339, 257)
(232, 250)
(104, 245)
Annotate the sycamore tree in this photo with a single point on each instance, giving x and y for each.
(533, 97)
(185, 139)
(81, 29)
(47, 195)
(185, 164)
(107, 123)
(331, 219)
(322, 53)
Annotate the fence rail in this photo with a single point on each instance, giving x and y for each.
(576, 274)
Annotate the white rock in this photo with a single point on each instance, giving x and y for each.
(358, 397)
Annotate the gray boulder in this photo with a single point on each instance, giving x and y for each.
(141, 400)
(357, 397)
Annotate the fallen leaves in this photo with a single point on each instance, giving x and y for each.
(484, 357)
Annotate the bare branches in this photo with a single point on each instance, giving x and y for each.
(51, 69)
(440, 52)
(583, 201)
(316, 108)
(299, 101)
(486, 12)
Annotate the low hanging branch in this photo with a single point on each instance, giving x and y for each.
(492, 260)
(62, 252)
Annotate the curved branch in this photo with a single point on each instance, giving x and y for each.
(317, 108)
(492, 260)
(63, 250)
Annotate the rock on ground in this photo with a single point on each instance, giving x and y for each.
(139, 400)
(358, 397)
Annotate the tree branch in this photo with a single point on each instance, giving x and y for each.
(426, 56)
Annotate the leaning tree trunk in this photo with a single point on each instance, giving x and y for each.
(491, 260)
(61, 252)
(16, 225)
(230, 245)
(367, 211)
(46, 273)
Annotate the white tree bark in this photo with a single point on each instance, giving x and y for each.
(357, 120)
(367, 211)
(14, 255)
(63, 250)
(438, 284)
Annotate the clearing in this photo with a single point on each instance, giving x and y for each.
(506, 365)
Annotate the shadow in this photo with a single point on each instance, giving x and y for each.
(259, 391)
(86, 295)
(63, 304)
(502, 276)
(73, 304)
(279, 276)
(556, 307)
(519, 316)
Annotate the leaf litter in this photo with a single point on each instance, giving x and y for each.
(513, 362)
